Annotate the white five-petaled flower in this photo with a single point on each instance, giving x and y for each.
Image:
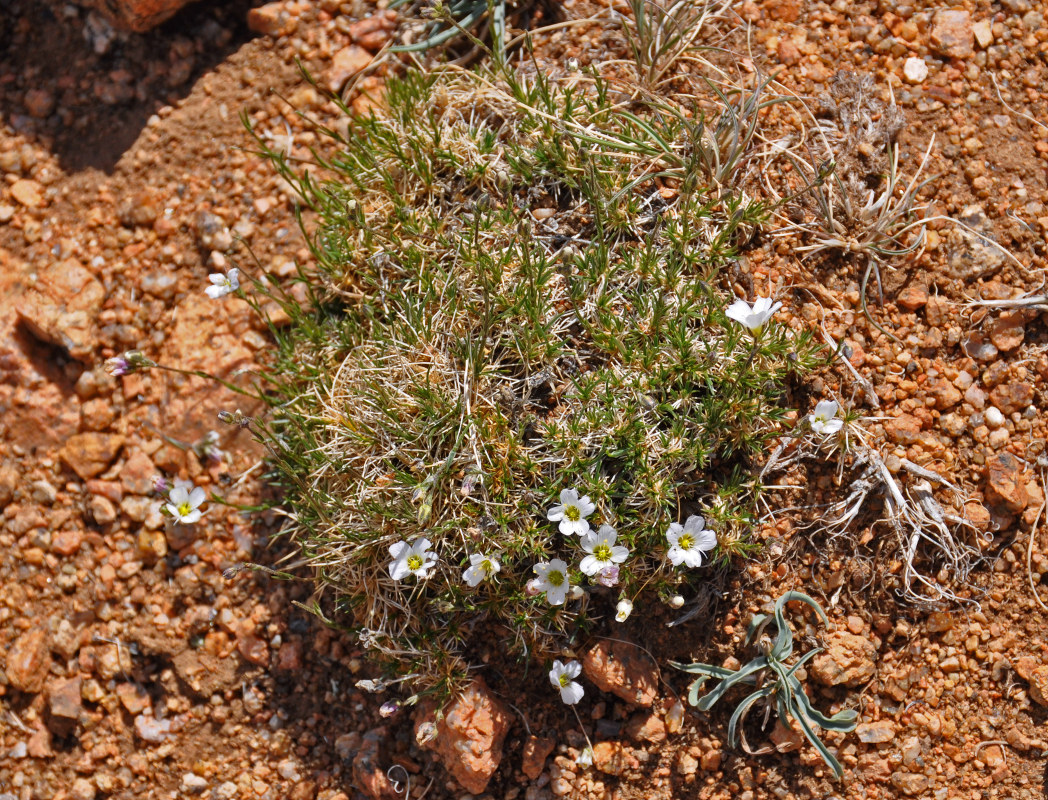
(223, 284)
(753, 317)
(184, 505)
(553, 580)
(571, 513)
(623, 609)
(562, 676)
(602, 550)
(414, 559)
(689, 542)
(481, 567)
(824, 419)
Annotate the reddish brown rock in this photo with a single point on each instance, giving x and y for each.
(647, 726)
(89, 454)
(469, 738)
(64, 700)
(945, 394)
(347, 62)
(1012, 397)
(289, 656)
(1008, 331)
(65, 543)
(253, 649)
(29, 660)
(788, 53)
(952, 33)
(61, 306)
(1006, 483)
(903, 429)
(39, 744)
(624, 670)
(372, 33)
(612, 758)
(848, 659)
(536, 751)
(912, 298)
(785, 739)
(272, 19)
(132, 697)
(27, 192)
(139, 15)
(1039, 685)
(369, 770)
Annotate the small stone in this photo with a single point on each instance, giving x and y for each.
(993, 418)
(368, 770)
(711, 760)
(152, 730)
(915, 70)
(848, 659)
(952, 33)
(212, 232)
(373, 32)
(788, 53)
(786, 740)
(876, 732)
(983, 32)
(912, 298)
(470, 736)
(1012, 397)
(39, 103)
(1039, 685)
(289, 656)
(536, 751)
(940, 621)
(687, 764)
(29, 660)
(82, 789)
(27, 192)
(272, 19)
(624, 670)
(151, 545)
(61, 306)
(64, 699)
(1008, 331)
(90, 454)
(945, 394)
(134, 698)
(1006, 483)
(66, 543)
(253, 649)
(647, 727)
(192, 784)
(39, 744)
(903, 429)
(612, 758)
(347, 62)
(910, 784)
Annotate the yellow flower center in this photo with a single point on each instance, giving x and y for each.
(564, 679)
(572, 513)
(414, 562)
(487, 566)
(602, 552)
(555, 578)
(685, 542)
(184, 509)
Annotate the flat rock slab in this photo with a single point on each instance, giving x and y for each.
(624, 670)
(139, 15)
(61, 307)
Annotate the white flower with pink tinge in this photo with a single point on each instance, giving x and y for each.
(753, 317)
(824, 419)
(562, 676)
(221, 285)
(572, 513)
(414, 559)
(689, 542)
(184, 505)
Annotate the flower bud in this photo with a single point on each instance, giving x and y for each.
(609, 576)
(676, 601)
(623, 609)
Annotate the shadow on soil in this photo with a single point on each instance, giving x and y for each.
(87, 107)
